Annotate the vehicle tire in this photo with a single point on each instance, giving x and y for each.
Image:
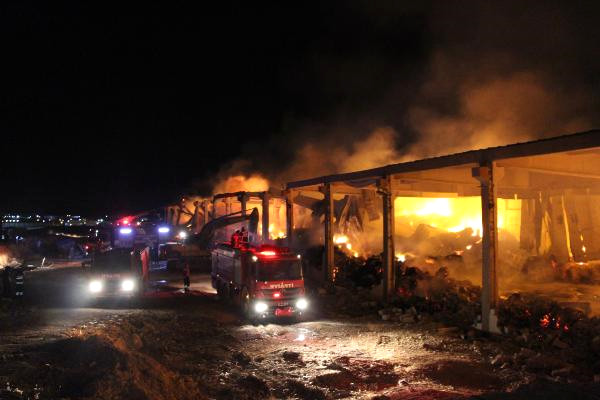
(228, 293)
(245, 303)
(219, 291)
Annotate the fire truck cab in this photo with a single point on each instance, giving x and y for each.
(265, 281)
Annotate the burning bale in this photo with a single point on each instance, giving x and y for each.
(350, 271)
(446, 300)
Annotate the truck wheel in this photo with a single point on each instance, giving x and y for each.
(245, 303)
(220, 291)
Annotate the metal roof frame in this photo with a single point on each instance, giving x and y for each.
(558, 144)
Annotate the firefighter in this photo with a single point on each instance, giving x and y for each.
(236, 238)
(186, 276)
(244, 237)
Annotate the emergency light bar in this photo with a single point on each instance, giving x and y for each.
(268, 253)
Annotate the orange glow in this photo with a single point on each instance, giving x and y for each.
(275, 232)
(455, 214)
(268, 253)
(340, 239)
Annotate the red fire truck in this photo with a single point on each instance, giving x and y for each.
(265, 280)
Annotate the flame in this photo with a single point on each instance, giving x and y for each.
(343, 242)
(275, 232)
(401, 257)
(456, 214)
(340, 239)
(240, 183)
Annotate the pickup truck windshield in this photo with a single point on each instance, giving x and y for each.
(279, 270)
(118, 260)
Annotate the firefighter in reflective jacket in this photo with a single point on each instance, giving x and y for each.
(236, 239)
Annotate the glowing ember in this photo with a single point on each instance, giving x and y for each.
(275, 232)
(340, 239)
(545, 321)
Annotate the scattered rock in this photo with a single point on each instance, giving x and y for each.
(560, 344)
(292, 357)
(241, 358)
(253, 385)
(136, 341)
(565, 371)
(448, 330)
(501, 360)
(543, 363)
(384, 339)
(305, 392)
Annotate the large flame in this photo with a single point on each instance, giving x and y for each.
(240, 183)
(456, 214)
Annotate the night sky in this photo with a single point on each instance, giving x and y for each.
(110, 108)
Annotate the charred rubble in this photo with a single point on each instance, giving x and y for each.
(557, 340)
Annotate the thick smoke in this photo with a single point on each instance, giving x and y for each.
(493, 74)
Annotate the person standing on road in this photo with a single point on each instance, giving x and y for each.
(186, 276)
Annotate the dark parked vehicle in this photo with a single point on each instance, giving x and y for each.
(116, 273)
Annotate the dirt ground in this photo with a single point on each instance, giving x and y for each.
(176, 346)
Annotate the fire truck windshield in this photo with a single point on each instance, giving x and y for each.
(116, 260)
(279, 270)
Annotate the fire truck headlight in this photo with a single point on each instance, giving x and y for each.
(302, 304)
(127, 285)
(95, 286)
(260, 307)
(125, 231)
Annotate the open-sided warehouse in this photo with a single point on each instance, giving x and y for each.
(530, 210)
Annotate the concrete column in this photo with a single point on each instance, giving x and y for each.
(196, 218)
(214, 210)
(328, 238)
(489, 213)
(205, 208)
(289, 218)
(265, 217)
(243, 198)
(389, 270)
(227, 205)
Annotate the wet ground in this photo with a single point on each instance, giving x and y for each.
(172, 345)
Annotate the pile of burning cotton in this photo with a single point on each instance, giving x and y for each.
(350, 301)
(443, 298)
(542, 325)
(546, 337)
(350, 271)
(395, 314)
(7, 259)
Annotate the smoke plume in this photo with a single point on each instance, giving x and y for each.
(487, 74)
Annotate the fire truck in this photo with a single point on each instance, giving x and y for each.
(265, 281)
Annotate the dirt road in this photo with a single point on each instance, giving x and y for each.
(176, 346)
